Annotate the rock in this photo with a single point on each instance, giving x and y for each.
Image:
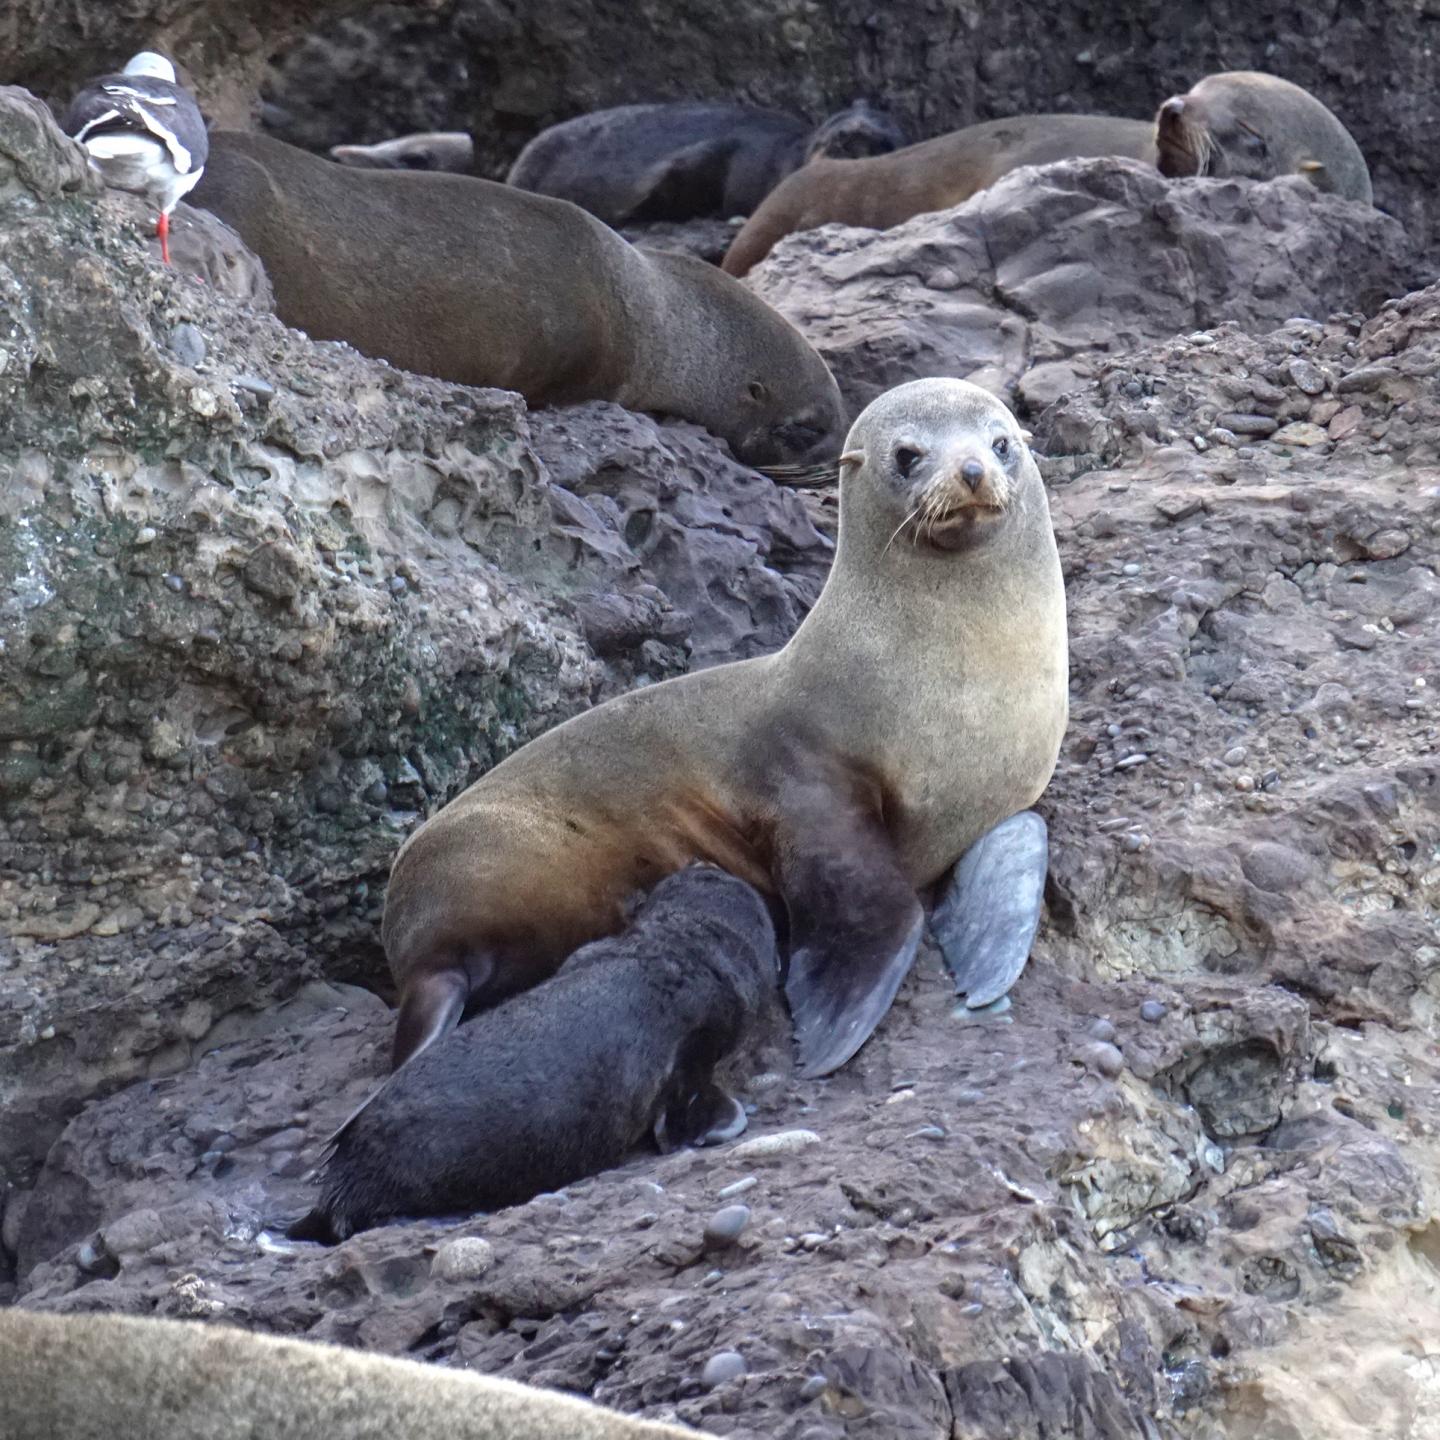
(1048, 270)
(1152, 1012)
(467, 1257)
(770, 1147)
(725, 1226)
(722, 1368)
(1103, 1058)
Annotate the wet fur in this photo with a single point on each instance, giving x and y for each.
(567, 1079)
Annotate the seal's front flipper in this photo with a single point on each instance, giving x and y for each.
(986, 920)
(855, 928)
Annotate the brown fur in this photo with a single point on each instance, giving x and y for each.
(933, 175)
(483, 284)
(111, 1377)
(1259, 127)
(921, 702)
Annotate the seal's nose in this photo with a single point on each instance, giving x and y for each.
(972, 472)
(1173, 108)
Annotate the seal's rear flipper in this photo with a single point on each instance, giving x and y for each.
(855, 925)
(986, 920)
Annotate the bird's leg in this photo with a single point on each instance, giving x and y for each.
(162, 229)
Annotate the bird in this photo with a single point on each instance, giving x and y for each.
(144, 133)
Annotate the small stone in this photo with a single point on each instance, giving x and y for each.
(725, 1226)
(721, 1368)
(1366, 378)
(1199, 442)
(1244, 423)
(1102, 1029)
(782, 1142)
(813, 1388)
(1099, 1056)
(739, 1187)
(1245, 782)
(1152, 1012)
(203, 402)
(467, 1257)
(1131, 761)
(145, 535)
(1305, 376)
(1130, 569)
(1236, 755)
(187, 345)
(927, 1132)
(254, 385)
(175, 583)
(398, 585)
(1135, 843)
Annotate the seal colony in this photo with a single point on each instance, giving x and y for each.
(684, 160)
(113, 1377)
(943, 623)
(568, 1078)
(483, 284)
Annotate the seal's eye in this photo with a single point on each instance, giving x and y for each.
(1253, 140)
(758, 393)
(906, 460)
(1001, 446)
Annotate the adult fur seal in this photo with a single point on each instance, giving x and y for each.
(568, 1078)
(451, 150)
(933, 175)
(116, 1377)
(921, 701)
(482, 284)
(685, 160)
(1243, 123)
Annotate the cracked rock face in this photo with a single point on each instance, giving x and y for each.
(266, 605)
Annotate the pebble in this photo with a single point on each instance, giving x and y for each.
(1305, 376)
(1102, 1057)
(175, 583)
(725, 1366)
(1131, 569)
(813, 1388)
(927, 1132)
(1102, 1029)
(739, 1187)
(1236, 755)
(1153, 1012)
(783, 1142)
(1135, 842)
(467, 1257)
(145, 535)
(254, 384)
(725, 1226)
(398, 584)
(187, 344)
(1131, 761)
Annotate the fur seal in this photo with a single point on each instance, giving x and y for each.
(450, 150)
(478, 283)
(933, 175)
(1256, 126)
(685, 161)
(922, 701)
(568, 1078)
(117, 1377)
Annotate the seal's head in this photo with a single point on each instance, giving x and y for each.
(938, 466)
(1257, 127)
(747, 374)
(857, 131)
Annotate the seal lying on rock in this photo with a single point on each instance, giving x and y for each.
(686, 160)
(921, 702)
(567, 1079)
(116, 1377)
(933, 175)
(1259, 127)
(482, 284)
(451, 150)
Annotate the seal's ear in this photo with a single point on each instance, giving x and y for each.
(852, 457)
(1313, 169)
(1026, 436)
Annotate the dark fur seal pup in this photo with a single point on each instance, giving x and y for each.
(920, 703)
(1259, 127)
(485, 285)
(933, 175)
(565, 1080)
(449, 150)
(684, 161)
(117, 1377)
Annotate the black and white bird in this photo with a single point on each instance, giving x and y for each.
(143, 133)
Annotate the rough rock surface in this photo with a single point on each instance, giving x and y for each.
(1028, 285)
(506, 69)
(265, 602)
(1183, 1187)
